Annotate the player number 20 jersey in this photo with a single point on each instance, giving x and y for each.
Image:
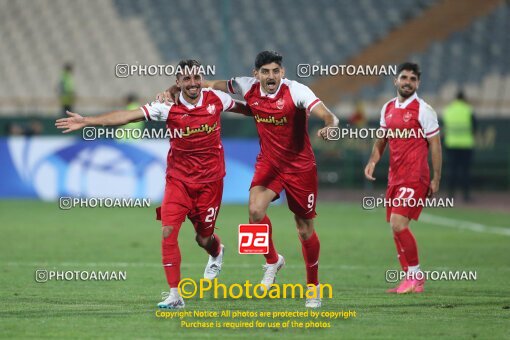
(196, 154)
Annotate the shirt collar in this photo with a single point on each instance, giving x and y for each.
(189, 105)
(403, 105)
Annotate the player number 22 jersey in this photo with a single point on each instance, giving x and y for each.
(409, 155)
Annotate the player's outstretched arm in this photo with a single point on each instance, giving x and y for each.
(330, 120)
(437, 161)
(76, 122)
(377, 151)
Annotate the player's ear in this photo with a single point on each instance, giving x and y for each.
(395, 80)
(255, 73)
(283, 72)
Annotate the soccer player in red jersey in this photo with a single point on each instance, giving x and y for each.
(409, 174)
(281, 109)
(195, 167)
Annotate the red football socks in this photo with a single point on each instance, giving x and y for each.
(401, 256)
(311, 249)
(213, 248)
(171, 258)
(272, 255)
(408, 244)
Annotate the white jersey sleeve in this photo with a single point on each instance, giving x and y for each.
(428, 119)
(240, 85)
(226, 100)
(302, 96)
(382, 122)
(156, 111)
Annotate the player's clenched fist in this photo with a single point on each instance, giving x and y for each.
(323, 133)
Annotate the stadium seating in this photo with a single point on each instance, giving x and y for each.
(98, 34)
(474, 59)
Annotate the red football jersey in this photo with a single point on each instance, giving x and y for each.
(409, 156)
(197, 155)
(282, 121)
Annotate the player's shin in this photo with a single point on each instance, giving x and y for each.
(213, 245)
(272, 255)
(311, 249)
(400, 251)
(408, 244)
(171, 256)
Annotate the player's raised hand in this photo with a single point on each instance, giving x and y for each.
(72, 123)
(171, 95)
(369, 171)
(323, 133)
(433, 187)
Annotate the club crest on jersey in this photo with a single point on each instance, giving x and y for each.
(407, 116)
(211, 109)
(280, 103)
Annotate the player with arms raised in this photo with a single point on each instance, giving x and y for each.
(281, 109)
(195, 167)
(409, 174)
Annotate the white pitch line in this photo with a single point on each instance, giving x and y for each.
(463, 225)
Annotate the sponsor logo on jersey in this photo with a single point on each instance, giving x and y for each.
(271, 120)
(202, 128)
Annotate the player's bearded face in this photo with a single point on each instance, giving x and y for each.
(270, 76)
(407, 83)
(190, 85)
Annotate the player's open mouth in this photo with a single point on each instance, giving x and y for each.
(271, 85)
(193, 89)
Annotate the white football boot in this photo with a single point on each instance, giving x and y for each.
(270, 271)
(315, 300)
(213, 267)
(172, 300)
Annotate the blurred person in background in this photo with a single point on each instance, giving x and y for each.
(131, 104)
(459, 126)
(67, 95)
(358, 120)
(34, 127)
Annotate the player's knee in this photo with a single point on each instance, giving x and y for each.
(167, 230)
(304, 227)
(397, 225)
(257, 212)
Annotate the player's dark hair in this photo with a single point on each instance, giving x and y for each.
(267, 57)
(187, 64)
(413, 67)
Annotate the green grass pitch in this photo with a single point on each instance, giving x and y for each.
(356, 250)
